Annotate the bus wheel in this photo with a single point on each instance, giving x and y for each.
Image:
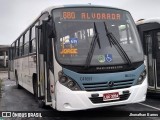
(35, 87)
(17, 83)
(41, 104)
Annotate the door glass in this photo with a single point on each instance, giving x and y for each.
(148, 38)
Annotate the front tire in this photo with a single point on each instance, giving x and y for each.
(35, 87)
(41, 103)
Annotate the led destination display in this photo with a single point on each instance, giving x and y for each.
(90, 16)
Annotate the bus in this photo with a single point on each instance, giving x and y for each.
(149, 30)
(78, 57)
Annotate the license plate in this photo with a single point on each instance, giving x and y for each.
(111, 96)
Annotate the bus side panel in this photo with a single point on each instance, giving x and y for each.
(22, 71)
(17, 71)
(26, 74)
(32, 64)
(11, 75)
(32, 69)
(41, 74)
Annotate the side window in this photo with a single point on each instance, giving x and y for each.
(26, 43)
(27, 37)
(17, 48)
(33, 49)
(33, 33)
(33, 38)
(13, 50)
(21, 46)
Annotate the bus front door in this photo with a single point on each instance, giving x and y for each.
(150, 60)
(44, 94)
(40, 66)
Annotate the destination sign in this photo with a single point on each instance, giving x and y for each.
(71, 15)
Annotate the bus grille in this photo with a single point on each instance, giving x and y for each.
(104, 85)
(97, 100)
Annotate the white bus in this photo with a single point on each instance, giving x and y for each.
(149, 30)
(80, 57)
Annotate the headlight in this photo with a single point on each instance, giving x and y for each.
(144, 73)
(71, 84)
(68, 82)
(63, 79)
(141, 77)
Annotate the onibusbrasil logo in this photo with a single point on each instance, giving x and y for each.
(20, 115)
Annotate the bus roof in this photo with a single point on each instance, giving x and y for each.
(150, 20)
(76, 5)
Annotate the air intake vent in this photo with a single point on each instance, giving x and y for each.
(101, 86)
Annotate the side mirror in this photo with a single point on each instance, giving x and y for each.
(52, 31)
(52, 34)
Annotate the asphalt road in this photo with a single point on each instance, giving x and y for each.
(14, 99)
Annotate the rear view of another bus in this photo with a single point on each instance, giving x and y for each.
(149, 31)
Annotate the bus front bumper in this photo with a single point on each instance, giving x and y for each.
(67, 100)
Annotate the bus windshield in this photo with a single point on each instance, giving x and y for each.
(75, 33)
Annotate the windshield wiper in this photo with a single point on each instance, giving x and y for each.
(92, 46)
(114, 41)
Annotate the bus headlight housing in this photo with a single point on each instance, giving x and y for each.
(63, 79)
(68, 82)
(141, 77)
(71, 84)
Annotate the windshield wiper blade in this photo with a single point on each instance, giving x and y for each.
(114, 41)
(96, 32)
(92, 47)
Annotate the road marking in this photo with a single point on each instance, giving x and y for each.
(149, 106)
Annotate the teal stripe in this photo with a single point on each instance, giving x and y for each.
(105, 77)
